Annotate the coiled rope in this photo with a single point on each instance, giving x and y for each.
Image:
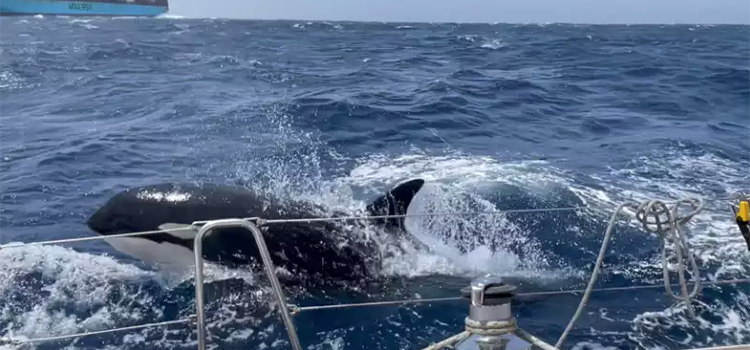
(490, 328)
(664, 220)
(673, 231)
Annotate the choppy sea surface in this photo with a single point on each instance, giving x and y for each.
(494, 116)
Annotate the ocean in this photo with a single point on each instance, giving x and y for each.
(493, 116)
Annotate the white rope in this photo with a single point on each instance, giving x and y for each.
(534, 340)
(655, 210)
(448, 342)
(490, 328)
(645, 211)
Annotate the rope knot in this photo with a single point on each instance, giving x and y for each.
(654, 216)
(661, 217)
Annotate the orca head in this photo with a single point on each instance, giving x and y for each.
(395, 202)
(113, 217)
(136, 209)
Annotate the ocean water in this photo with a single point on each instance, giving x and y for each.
(495, 117)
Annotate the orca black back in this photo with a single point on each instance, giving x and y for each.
(316, 250)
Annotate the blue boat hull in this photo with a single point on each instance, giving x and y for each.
(78, 8)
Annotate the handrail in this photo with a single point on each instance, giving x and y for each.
(270, 271)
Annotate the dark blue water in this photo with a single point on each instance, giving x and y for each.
(496, 116)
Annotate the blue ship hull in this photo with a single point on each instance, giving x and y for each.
(83, 8)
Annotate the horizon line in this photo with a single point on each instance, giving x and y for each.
(177, 16)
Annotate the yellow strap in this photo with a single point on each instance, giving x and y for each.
(744, 212)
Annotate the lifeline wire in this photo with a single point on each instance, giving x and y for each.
(403, 216)
(342, 218)
(87, 334)
(298, 309)
(282, 221)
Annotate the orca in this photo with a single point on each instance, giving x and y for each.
(316, 251)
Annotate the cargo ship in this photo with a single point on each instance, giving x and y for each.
(145, 8)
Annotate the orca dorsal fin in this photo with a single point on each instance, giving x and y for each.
(395, 202)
